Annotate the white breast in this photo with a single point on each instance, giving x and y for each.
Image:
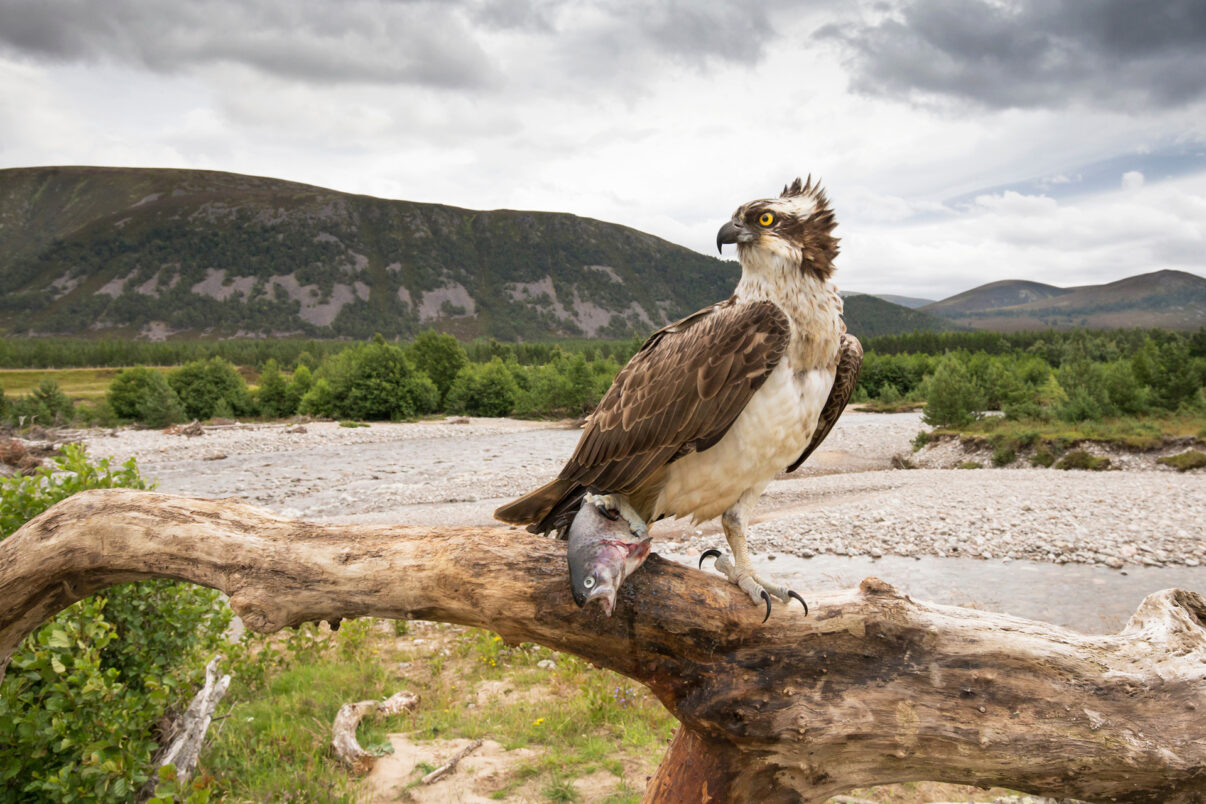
(766, 438)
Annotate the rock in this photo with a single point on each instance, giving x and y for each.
(546, 664)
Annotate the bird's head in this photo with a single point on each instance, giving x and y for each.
(794, 229)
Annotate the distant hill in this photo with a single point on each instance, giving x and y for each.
(867, 316)
(1166, 299)
(912, 302)
(153, 253)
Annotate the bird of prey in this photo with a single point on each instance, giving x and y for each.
(712, 407)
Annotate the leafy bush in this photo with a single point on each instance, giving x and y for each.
(483, 390)
(299, 386)
(82, 695)
(1081, 459)
(952, 397)
(204, 385)
(143, 394)
(319, 400)
(1185, 461)
(46, 404)
(440, 357)
(273, 397)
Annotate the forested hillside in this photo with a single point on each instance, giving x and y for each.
(156, 252)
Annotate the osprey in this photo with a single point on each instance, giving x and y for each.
(712, 407)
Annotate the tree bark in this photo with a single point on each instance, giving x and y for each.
(873, 687)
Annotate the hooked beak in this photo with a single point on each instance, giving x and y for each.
(732, 233)
(605, 595)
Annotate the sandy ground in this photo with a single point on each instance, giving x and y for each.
(846, 501)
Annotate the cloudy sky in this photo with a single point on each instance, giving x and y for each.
(962, 141)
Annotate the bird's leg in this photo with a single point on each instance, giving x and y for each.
(617, 505)
(740, 569)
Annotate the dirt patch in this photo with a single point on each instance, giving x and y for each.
(478, 775)
(489, 691)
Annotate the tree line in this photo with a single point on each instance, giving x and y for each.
(1074, 376)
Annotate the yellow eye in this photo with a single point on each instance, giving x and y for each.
(766, 219)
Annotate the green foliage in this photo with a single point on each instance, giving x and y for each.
(440, 357)
(273, 397)
(46, 405)
(1003, 455)
(483, 390)
(377, 381)
(952, 396)
(319, 400)
(1042, 457)
(82, 695)
(1082, 459)
(143, 394)
(299, 386)
(1185, 461)
(209, 388)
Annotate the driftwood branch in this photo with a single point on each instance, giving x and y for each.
(343, 731)
(185, 748)
(449, 766)
(873, 687)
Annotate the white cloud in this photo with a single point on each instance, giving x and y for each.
(1132, 180)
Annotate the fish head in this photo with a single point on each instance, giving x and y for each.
(602, 553)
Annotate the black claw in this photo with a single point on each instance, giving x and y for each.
(766, 597)
(710, 553)
(802, 603)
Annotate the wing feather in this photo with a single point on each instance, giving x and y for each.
(850, 362)
(679, 394)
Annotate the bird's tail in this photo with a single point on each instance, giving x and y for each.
(534, 507)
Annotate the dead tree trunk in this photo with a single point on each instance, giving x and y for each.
(873, 687)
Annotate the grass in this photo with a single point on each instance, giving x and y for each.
(1080, 459)
(1185, 461)
(1138, 434)
(577, 719)
(78, 383)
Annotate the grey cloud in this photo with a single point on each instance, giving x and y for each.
(1122, 53)
(426, 43)
(423, 42)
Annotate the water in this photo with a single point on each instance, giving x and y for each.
(1090, 599)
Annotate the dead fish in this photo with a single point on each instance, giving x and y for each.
(608, 541)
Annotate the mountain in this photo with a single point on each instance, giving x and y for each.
(993, 296)
(867, 316)
(912, 303)
(1167, 299)
(155, 253)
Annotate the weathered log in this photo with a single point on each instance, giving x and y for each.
(343, 730)
(185, 748)
(873, 687)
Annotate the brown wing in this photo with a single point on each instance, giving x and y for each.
(850, 360)
(679, 394)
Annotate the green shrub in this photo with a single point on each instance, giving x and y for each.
(483, 390)
(204, 385)
(922, 438)
(143, 394)
(952, 397)
(272, 397)
(1042, 457)
(1080, 459)
(299, 386)
(319, 400)
(1003, 454)
(970, 465)
(83, 694)
(1185, 461)
(440, 357)
(377, 381)
(889, 393)
(46, 405)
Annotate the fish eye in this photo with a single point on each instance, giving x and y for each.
(588, 582)
(766, 219)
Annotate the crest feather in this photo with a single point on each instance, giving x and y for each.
(797, 188)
